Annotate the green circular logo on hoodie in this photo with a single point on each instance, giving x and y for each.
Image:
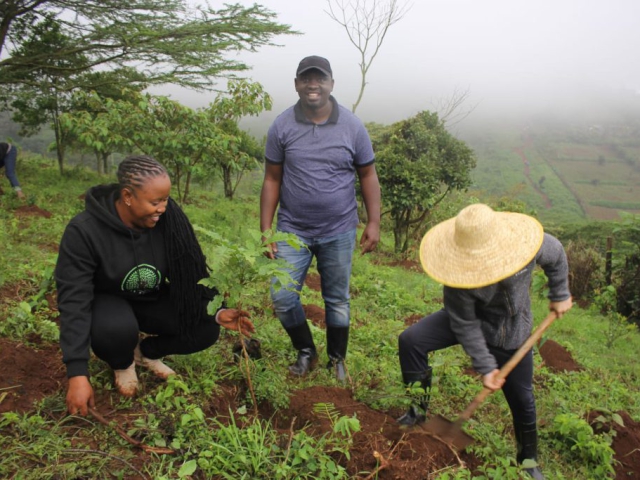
(142, 279)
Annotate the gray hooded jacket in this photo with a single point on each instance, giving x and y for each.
(499, 315)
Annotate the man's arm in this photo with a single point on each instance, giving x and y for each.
(371, 195)
(269, 198)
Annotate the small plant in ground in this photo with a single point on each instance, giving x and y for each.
(618, 325)
(238, 269)
(343, 428)
(604, 421)
(32, 316)
(569, 430)
(21, 322)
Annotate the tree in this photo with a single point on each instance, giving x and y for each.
(188, 142)
(366, 23)
(47, 92)
(170, 41)
(44, 92)
(49, 48)
(243, 152)
(449, 109)
(419, 163)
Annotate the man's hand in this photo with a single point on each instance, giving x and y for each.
(79, 396)
(237, 320)
(370, 238)
(561, 307)
(273, 249)
(491, 382)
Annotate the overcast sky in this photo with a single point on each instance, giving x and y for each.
(514, 53)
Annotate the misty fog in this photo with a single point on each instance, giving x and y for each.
(514, 58)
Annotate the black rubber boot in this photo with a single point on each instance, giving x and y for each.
(417, 413)
(302, 341)
(337, 341)
(527, 444)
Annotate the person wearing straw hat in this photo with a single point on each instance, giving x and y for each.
(485, 260)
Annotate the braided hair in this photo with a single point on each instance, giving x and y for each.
(186, 261)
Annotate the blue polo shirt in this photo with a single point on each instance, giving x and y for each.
(317, 195)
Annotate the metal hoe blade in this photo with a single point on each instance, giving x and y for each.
(449, 432)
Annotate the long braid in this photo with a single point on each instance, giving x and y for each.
(186, 261)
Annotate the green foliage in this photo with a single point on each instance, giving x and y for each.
(627, 267)
(32, 317)
(190, 143)
(605, 419)
(568, 430)
(419, 162)
(343, 428)
(46, 57)
(255, 451)
(237, 267)
(618, 327)
(586, 272)
(170, 41)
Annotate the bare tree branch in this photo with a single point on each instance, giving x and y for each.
(366, 23)
(449, 109)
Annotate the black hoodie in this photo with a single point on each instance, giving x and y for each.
(99, 254)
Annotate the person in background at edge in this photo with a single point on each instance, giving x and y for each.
(485, 260)
(130, 264)
(8, 158)
(314, 151)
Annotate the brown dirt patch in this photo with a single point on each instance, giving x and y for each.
(407, 264)
(626, 443)
(315, 315)
(312, 281)
(393, 261)
(407, 454)
(28, 374)
(413, 319)
(557, 358)
(32, 210)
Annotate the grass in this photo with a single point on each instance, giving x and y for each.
(46, 444)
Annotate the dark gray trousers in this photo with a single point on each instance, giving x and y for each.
(433, 332)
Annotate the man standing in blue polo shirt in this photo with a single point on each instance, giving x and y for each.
(314, 150)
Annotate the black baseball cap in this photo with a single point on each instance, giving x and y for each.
(314, 62)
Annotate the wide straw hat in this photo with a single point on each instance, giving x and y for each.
(480, 247)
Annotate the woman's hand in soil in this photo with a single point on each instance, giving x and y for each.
(79, 396)
(237, 320)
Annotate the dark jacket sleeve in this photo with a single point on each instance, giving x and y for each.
(74, 276)
(553, 260)
(467, 327)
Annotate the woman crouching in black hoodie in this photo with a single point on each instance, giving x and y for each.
(130, 263)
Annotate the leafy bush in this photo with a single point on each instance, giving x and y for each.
(586, 273)
(569, 430)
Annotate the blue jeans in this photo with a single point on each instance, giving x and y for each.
(10, 167)
(333, 257)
